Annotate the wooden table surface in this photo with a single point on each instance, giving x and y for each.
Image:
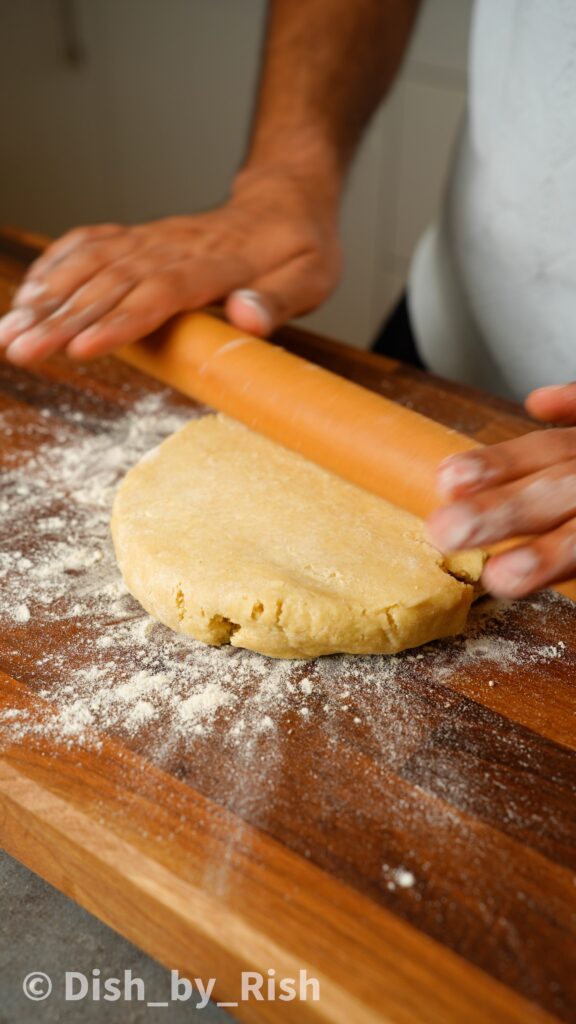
(403, 829)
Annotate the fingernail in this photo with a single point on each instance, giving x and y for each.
(511, 571)
(23, 348)
(16, 353)
(254, 300)
(452, 528)
(460, 470)
(30, 292)
(15, 322)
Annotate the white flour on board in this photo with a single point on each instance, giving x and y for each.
(114, 670)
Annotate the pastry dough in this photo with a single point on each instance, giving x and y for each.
(228, 537)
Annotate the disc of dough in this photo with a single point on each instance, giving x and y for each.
(228, 537)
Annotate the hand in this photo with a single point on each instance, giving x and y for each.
(271, 252)
(522, 487)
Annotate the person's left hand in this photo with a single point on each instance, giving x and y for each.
(524, 487)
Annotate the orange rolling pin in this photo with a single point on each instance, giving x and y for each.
(361, 436)
(357, 434)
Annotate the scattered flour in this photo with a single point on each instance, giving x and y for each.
(105, 668)
(403, 878)
(315, 753)
(398, 878)
(21, 613)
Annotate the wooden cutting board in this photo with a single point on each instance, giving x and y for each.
(402, 829)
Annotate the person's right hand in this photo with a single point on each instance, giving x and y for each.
(270, 253)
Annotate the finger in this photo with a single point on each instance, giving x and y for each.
(555, 404)
(66, 245)
(291, 290)
(187, 285)
(72, 272)
(34, 294)
(33, 336)
(247, 309)
(34, 347)
(480, 468)
(34, 300)
(548, 559)
(142, 311)
(86, 307)
(532, 505)
(42, 299)
(14, 324)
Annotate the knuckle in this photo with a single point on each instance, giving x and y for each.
(117, 278)
(89, 236)
(78, 235)
(109, 227)
(169, 284)
(146, 265)
(88, 232)
(68, 276)
(499, 460)
(324, 283)
(177, 222)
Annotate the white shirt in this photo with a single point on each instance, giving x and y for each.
(492, 289)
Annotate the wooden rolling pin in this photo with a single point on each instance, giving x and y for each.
(377, 444)
(361, 436)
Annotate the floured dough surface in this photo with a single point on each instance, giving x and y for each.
(230, 538)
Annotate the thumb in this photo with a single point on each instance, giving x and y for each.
(555, 404)
(295, 288)
(248, 309)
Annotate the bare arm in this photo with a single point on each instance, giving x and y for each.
(271, 251)
(327, 65)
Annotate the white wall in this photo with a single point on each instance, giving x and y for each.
(154, 122)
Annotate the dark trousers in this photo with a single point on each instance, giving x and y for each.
(396, 338)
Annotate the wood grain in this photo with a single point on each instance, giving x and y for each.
(93, 830)
(469, 786)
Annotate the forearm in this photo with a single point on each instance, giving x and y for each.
(327, 65)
